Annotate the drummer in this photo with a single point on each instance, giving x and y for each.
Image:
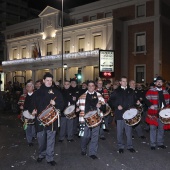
(122, 99)
(66, 127)
(28, 105)
(90, 101)
(157, 98)
(139, 96)
(46, 134)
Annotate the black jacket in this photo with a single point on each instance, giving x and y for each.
(125, 98)
(42, 99)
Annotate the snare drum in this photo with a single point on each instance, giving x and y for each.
(92, 119)
(48, 116)
(28, 118)
(164, 116)
(69, 112)
(108, 110)
(132, 117)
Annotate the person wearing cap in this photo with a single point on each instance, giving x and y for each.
(156, 99)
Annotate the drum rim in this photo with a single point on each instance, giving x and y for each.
(128, 110)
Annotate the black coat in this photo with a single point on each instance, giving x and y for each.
(42, 98)
(125, 98)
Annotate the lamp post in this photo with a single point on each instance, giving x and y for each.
(62, 62)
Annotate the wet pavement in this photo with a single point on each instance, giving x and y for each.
(16, 154)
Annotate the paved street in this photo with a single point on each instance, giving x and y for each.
(16, 154)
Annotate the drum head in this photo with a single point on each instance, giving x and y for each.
(89, 114)
(27, 115)
(129, 114)
(165, 113)
(69, 109)
(45, 112)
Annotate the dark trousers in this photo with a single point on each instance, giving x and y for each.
(92, 133)
(46, 142)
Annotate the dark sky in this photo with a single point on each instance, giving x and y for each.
(41, 4)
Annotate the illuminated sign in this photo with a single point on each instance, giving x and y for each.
(106, 60)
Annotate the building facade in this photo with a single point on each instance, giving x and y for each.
(136, 30)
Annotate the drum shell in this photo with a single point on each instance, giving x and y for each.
(133, 121)
(165, 120)
(93, 120)
(108, 110)
(49, 117)
(70, 115)
(26, 119)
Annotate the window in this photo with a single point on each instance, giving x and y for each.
(67, 46)
(81, 44)
(93, 18)
(97, 42)
(14, 54)
(108, 14)
(79, 21)
(24, 52)
(140, 42)
(140, 74)
(140, 10)
(49, 49)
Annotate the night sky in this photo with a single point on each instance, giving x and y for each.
(41, 4)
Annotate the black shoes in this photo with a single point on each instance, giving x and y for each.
(39, 160)
(83, 153)
(93, 157)
(52, 163)
(121, 150)
(102, 138)
(142, 137)
(131, 150)
(162, 146)
(153, 147)
(71, 140)
(106, 130)
(30, 144)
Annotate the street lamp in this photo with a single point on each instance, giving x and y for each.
(62, 66)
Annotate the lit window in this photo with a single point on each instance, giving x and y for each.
(67, 46)
(140, 74)
(14, 54)
(97, 42)
(24, 52)
(140, 10)
(81, 44)
(49, 49)
(140, 42)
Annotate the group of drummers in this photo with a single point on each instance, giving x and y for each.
(87, 112)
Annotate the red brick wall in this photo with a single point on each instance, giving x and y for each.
(149, 8)
(141, 58)
(165, 51)
(118, 55)
(124, 13)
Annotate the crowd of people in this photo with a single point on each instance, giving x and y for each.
(88, 110)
